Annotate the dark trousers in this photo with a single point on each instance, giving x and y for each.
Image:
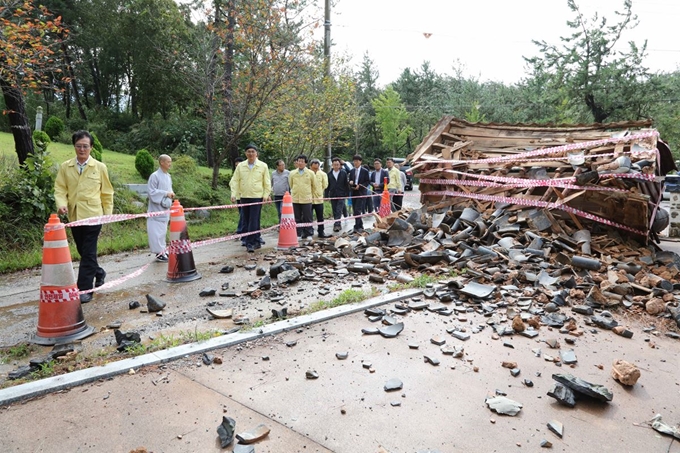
(338, 206)
(318, 211)
(303, 214)
(344, 209)
(278, 201)
(359, 202)
(251, 220)
(368, 204)
(397, 201)
(239, 228)
(86, 238)
(377, 199)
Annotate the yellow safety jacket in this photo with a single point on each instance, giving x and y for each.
(87, 194)
(321, 185)
(302, 186)
(251, 182)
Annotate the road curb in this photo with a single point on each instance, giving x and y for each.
(65, 381)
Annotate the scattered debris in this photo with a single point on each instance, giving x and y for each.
(254, 435)
(154, 304)
(226, 431)
(658, 425)
(221, 314)
(556, 427)
(393, 385)
(503, 405)
(625, 373)
(580, 386)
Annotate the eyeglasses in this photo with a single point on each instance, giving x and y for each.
(82, 146)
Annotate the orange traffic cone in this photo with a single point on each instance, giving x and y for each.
(181, 266)
(60, 316)
(287, 227)
(385, 208)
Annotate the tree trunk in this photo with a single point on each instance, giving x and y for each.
(210, 93)
(18, 121)
(599, 114)
(74, 84)
(227, 87)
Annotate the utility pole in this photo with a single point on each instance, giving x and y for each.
(327, 72)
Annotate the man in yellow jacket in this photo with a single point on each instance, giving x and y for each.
(302, 187)
(321, 184)
(251, 184)
(83, 190)
(394, 185)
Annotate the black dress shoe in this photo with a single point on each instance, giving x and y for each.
(250, 248)
(85, 298)
(100, 279)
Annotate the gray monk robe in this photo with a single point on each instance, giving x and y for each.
(160, 183)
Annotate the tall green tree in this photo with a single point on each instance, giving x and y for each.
(425, 95)
(312, 110)
(392, 119)
(265, 43)
(589, 68)
(366, 135)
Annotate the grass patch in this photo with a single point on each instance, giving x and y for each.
(129, 236)
(16, 352)
(46, 370)
(348, 296)
(422, 281)
(171, 341)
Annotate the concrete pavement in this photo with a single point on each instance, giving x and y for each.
(177, 407)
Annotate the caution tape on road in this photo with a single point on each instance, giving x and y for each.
(537, 204)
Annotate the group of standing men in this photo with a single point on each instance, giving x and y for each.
(341, 183)
(83, 190)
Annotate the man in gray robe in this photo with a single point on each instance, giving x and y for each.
(160, 199)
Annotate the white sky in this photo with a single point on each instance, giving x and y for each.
(489, 37)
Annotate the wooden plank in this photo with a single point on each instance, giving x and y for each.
(431, 138)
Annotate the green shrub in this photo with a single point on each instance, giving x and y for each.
(28, 194)
(184, 166)
(97, 148)
(54, 127)
(41, 141)
(144, 163)
(75, 123)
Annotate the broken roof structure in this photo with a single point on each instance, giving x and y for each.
(582, 175)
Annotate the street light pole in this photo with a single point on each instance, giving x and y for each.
(327, 72)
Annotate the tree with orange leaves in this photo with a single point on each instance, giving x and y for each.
(27, 46)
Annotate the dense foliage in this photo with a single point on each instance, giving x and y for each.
(144, 163)
(54, 127)
(202, 79)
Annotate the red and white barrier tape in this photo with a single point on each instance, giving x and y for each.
(123, 279)
(58, 295)
(526, 156)
(537, 204)
(526, 183)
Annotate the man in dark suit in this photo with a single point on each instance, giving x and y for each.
(338, 191)
(359, 180)
(378, 183)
